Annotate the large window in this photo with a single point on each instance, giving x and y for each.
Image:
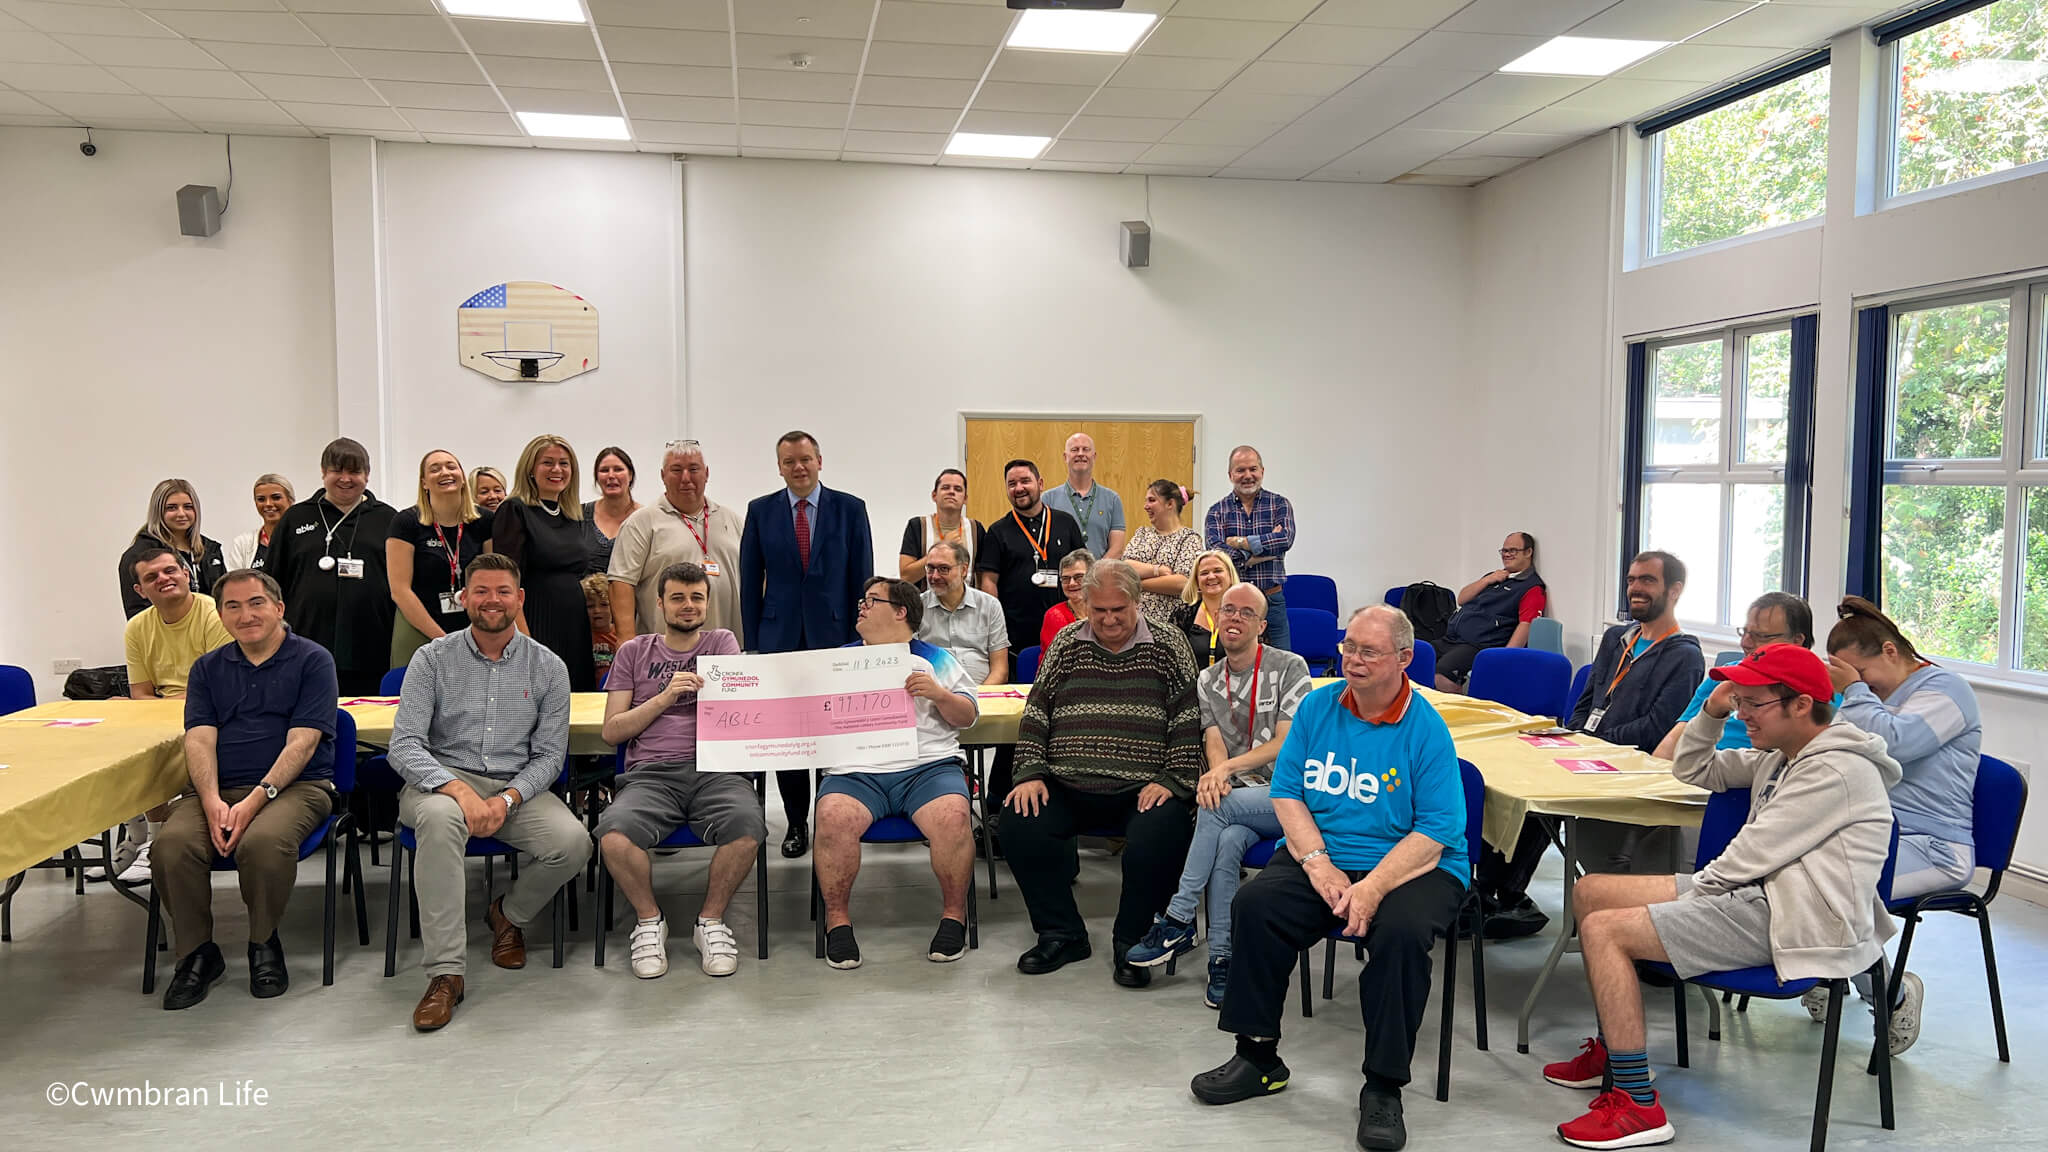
(1971, 96)
(1722, 463)
(1962, 556)
(1757, 163)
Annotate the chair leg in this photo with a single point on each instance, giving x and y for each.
(1443, 1042)
(149, 935)
(1329, 968)
(1713, 1016)
(1479, 989)
(818, 915)
(1881, 1049)
(327, 924)
(391, 895)
(488, 864)
(1679, 1022)
(761, 901)
(561, 920)
(573, 901)
(1905, 950)
(601, 924)
(354, 866)
(1990, 981)
(973, 916)
(1742, 1005)
(1307, 1009)
(1824, 1095)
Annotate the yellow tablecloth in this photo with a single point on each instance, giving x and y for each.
(586, 721)
(64, 785)
(1522, 778)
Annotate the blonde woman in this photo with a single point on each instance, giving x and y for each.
(172, 521)
(273, 495)
(1163, 551)
(1201, 598)
(487, 488)
(429, 548)
(540, 526)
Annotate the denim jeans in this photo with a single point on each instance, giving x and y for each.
(1222, 836)
(1277, 633)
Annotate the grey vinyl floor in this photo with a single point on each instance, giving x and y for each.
(904, 1053)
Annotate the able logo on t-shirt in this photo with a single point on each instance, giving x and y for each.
(1336, 779)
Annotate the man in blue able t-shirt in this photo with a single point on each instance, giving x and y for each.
(1367, 788)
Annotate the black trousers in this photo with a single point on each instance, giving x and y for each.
(1603, 846)
(796, 797)
(1044, 860)
(1278, 913)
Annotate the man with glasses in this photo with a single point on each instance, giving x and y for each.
(1368, 790)
(1774, 618)
(965, 621)
(1248, 700)
(1494, 611)
(683, 527)
(1796, 889)
(929, 788)
(1256, 528)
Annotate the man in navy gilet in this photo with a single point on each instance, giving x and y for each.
(1494, 611)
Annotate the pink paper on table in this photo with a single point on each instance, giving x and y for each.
(801, 716)
(378, 701)
(1001, 694)
(1587, 766)
(1550, 741)
(70, 723)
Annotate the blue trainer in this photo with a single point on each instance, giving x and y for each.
(1219, 976)
(1167, 939)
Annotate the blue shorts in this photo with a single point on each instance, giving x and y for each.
(900, 793)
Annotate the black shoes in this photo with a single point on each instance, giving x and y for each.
(1129, 975)
(1379, 1120)
(1237, 1079)
(267, 976)
(949, 943)
(841, 949)
(200, 970)
(1052, 955)
(1514, 919)
(797, 842)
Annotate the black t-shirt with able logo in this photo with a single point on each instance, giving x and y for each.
(430, 575)
(1014, 557)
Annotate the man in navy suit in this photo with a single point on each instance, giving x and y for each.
(804, 555)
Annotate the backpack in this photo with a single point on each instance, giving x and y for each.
(107, 683)
(1429, 607)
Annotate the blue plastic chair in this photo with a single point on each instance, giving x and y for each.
(1523, 679)
(682, 837)
(1394, 595)
(1997, 805)
(890, 830)
(1578, 689)
(1313, 636)
(1257, 856)
(1731, 656)
(488, 847)
(377, 775)
(1725, 815)
(1422, 666)
(1306, 591)
(1546, 635)
(17, 689)
(1027, 664)
(337, 827)
(1475, 822)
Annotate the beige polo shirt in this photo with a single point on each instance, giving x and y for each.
(656, 536)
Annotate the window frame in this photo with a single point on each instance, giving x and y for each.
(1728, 472)
(2021, 466)
(1889, 196)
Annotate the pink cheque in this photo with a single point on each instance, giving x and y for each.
(802, 717)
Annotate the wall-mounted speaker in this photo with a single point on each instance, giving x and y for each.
(198, 210)
(1136, 244)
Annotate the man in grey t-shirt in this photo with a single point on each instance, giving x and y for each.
(1096, 507)
(1248, 700)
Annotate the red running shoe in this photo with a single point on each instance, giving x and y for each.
(1585, 1070)
(1617, 1121)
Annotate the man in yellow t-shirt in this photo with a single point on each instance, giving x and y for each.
(177, 628)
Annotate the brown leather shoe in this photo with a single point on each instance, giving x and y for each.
(437, 1007)
(508, 943)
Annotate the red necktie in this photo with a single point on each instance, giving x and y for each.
(803, 534)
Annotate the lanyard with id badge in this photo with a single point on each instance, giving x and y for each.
(710, 566)
(1046, 576)
(1628, 660)
(450, 602)
(345, 567)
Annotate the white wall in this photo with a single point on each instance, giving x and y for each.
(871, 304)
(134, 353)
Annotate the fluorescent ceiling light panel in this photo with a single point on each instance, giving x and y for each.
(1583, 56)
(546, 11)
(992, 144)
(1046, 30)
(571, 126)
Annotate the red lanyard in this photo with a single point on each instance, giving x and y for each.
(1038, 545)
(454, 555)
(1251, 712)
(1628, 655)
(702, 547)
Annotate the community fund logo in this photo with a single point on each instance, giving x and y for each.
(731, 681)
(1336, 779)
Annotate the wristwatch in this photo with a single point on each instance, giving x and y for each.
(510, 803)
(269, 790)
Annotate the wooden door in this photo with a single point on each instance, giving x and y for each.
(1129, 455)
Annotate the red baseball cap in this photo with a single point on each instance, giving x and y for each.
(1789, 664)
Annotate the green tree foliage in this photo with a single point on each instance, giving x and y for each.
(1944, 555)
(1973, 95)
(1949, 376)
(1755, 164)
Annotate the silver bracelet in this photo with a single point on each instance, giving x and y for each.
(1308, 856)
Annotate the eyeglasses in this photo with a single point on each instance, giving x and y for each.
(1234, 612)
(1750, 636)
(1074, 580)
(867, 602)
(1512, 551)
(1361, 652)
(1752, 707)
(938, 569)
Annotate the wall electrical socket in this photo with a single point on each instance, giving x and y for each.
(65, 667)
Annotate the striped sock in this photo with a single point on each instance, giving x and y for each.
(1632, 1074)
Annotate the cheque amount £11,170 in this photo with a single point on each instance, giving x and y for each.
(866, 703)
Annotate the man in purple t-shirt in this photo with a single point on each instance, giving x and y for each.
(651, 707)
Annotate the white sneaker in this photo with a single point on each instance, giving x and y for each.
(128, 844)
(1905, 1022)
(137, 872)
(650, 948)
(721, 955)
(1816, 1003)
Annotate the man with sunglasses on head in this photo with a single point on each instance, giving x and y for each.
(683, 527)
(1795, 889)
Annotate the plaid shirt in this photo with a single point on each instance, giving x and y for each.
(506, 718)
(1268, 528)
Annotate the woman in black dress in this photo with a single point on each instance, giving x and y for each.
(172, 522)
(540, 526)
(426, 554)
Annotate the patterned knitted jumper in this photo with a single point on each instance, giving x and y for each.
(1109, 723)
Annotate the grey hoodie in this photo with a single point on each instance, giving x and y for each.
(1818, 832)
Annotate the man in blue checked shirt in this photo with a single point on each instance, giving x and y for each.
(1256, 528)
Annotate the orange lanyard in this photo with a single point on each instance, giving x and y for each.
(1628, 655)
(1045, 537)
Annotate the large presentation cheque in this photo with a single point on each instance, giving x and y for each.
(824, 709)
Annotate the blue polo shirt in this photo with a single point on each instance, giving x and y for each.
(1370, 782)
(254, 706)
